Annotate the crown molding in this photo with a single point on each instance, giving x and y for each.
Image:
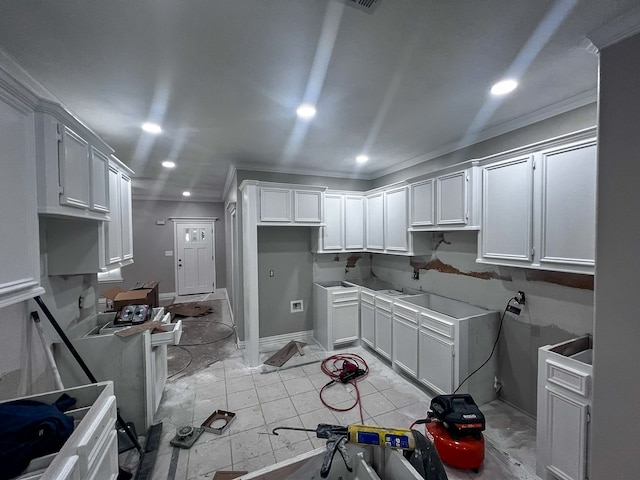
(621, 27)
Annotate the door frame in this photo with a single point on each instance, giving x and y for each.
(177, 221)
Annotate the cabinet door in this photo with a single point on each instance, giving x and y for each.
(422, 202)
(333, 233)
(436, 362)
(354, 222)
(396, 235)
(383, 333)
(568, 229)
(566, 435)
(307, 206)
(452, 199)
(405, 346)
(99, 181)
(507, 193)
(125, 217)
(114, 227)
(345, 322)
(74, 171)
(20, 255)
(367, 324)
(375, 221)
(275, 204)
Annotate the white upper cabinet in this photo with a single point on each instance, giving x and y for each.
(396, 219)
(354, 222)
(452, 199)
(72, 166)
(281, 204)
(333, 231)
(117, 235)
(422, 203)
(20, 255)
(448, 201)
(507, 199)
(375, 221)
(539, 206)
(568, 204)
(126, 216)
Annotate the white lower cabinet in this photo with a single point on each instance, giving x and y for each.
(383, 327)
(336, 311)
(91, 452)
(436, 368)
(564, 402)
(405, 339)
(367, 318)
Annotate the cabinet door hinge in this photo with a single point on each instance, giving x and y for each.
(533, 252)
(533, 164)
(60, 132)
(588, 415)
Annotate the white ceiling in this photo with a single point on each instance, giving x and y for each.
(224, 77)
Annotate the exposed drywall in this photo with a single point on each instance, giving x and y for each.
(340, 266)
(150, 241)
(553, 312)
(578, 119)
(285, 251)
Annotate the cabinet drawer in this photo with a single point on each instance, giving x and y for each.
(170, 337)
(367, 297)
(106, 467)
(383, 304)
(442, 327)
(98, 428)
(405, 313)
(345, 296)
(568, 378)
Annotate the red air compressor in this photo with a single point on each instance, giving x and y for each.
(455, 425)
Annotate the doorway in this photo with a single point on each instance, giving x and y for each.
(195, 256)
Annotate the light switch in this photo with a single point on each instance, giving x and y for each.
(168, 253)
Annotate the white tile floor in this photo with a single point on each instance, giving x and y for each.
(265, 397)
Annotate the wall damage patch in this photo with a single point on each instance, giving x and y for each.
(442, 267)
(573, 280)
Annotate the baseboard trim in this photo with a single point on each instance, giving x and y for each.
(270, 342)
(167, 296)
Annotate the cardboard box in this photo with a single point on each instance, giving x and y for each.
(140, 294)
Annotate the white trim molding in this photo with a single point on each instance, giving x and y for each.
(621, 27)
(268, 343)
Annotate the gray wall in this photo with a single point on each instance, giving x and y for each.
(150, 241)
(616, 376)
(286, 251)
(578, 119)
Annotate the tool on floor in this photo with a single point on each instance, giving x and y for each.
(344, 368)
(455, 425)
(186, 436)
(338, 436)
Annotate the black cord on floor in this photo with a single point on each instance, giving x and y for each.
(212, 341)
(495, 344)
(188, 363)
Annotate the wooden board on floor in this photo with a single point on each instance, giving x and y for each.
(228, 474)
(283, 355)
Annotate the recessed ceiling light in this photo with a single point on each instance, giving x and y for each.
(306, 111)
(186, 194)
(168, 164)
(504, 86)
(150, 127)
(362, 159)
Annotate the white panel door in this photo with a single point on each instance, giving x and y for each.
(569, 204)
(452, 199)
(333, 233)
(308, 206)
(275, 204)
(507, 196)
(383, 333)
(422, 202)
(195, 258)
(367, 324)
(345, 322)
(74, 171)
(566, 436)
(396, 235)
(354, 222)
(126, 227)
(114, 227)
(405, 346)
(99, 181)
(375, 221)
(436, 362)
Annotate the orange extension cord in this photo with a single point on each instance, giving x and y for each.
(333, 366)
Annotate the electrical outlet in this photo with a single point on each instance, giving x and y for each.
(520, 298)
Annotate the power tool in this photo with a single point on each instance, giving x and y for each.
(455, 425)
(369, 435)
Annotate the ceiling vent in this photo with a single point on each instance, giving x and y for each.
(365, 5)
